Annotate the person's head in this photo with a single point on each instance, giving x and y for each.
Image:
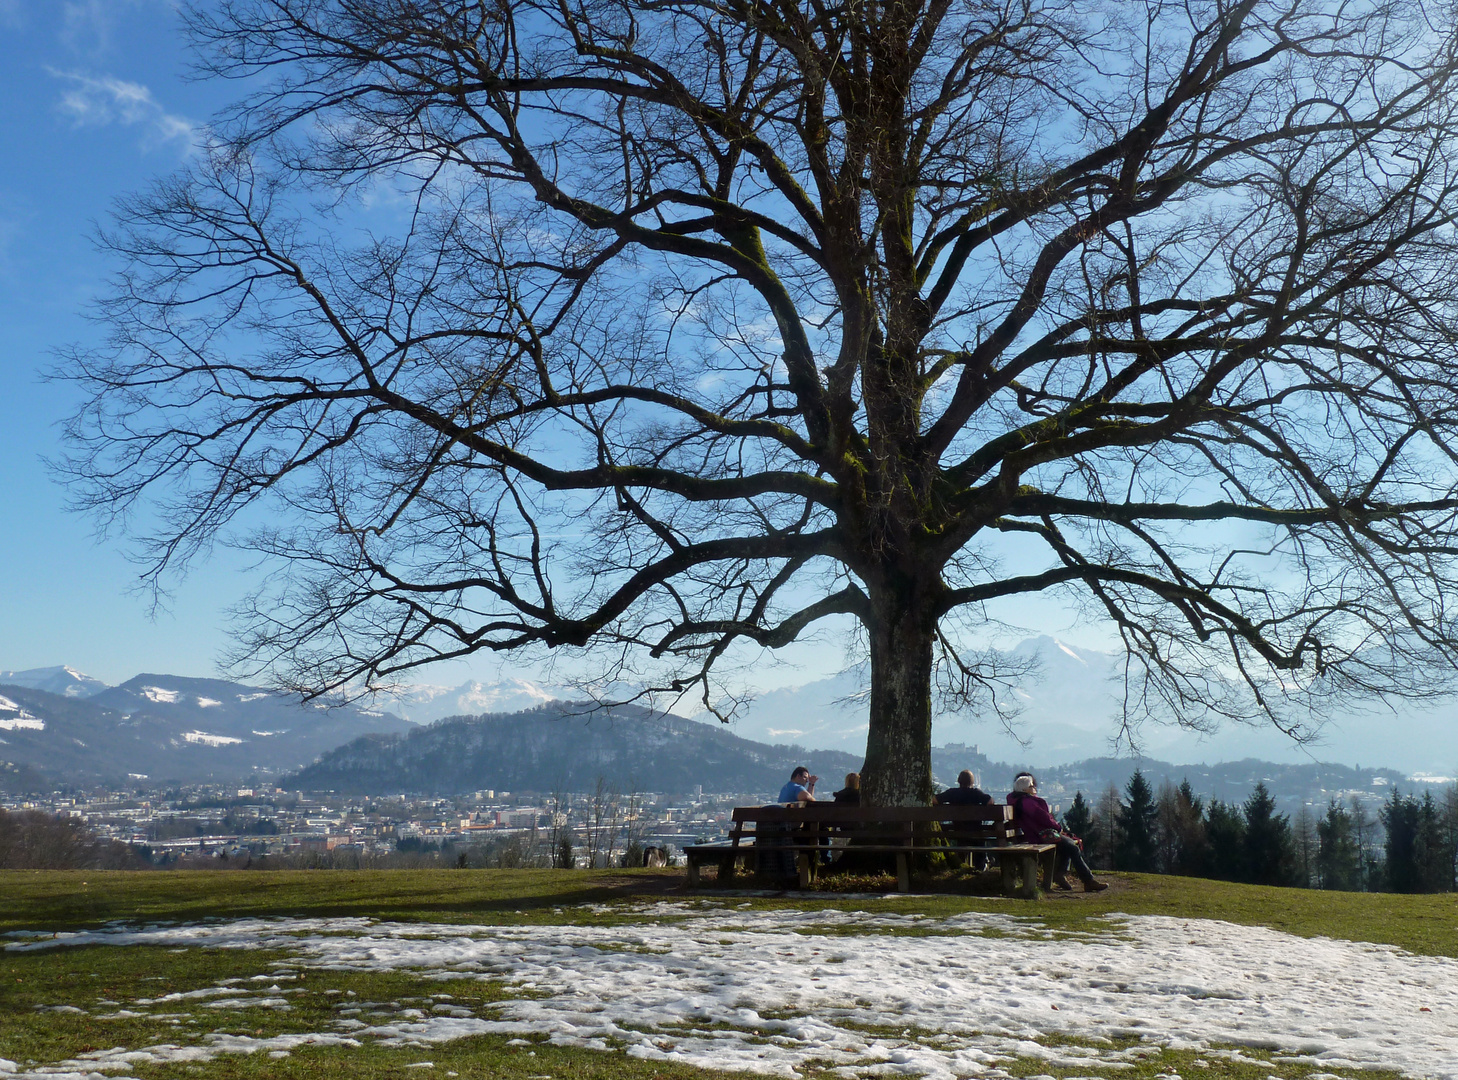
(800, 775)
(853, 781)
(1025, 783)
(966, 779)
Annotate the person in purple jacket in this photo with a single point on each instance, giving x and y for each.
(1036, 822)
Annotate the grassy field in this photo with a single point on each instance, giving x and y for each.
(62, 1004)
(49, 900)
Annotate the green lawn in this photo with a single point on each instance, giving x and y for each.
(66, 900)
(95, 986)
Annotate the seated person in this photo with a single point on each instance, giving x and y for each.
(801, 787)
(966, 793)
(850, 795)
(1038, 825)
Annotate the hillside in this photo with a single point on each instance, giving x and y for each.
(165, 728)
(555, 748)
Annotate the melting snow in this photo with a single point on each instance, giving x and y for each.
(161, 696)
(704, 986)
(210, 740)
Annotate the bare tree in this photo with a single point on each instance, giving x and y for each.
(688, 325)
(1111, 807)
(602, 823)
(1365, 835)
(1307, 848)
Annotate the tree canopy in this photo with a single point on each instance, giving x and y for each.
(695, 323)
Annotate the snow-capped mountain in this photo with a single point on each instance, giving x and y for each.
(424, 704)
(1065, 701)
(168, 728)
(65, 681)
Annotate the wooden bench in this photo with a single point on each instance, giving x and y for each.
(806, 829)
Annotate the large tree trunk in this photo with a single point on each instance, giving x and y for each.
(897, 771)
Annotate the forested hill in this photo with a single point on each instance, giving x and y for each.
(556, 748)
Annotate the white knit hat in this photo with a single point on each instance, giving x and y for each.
(1025, 784)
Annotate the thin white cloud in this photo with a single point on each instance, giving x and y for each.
(105, 100)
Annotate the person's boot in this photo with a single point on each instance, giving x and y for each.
(1092, 884)
(1061, 882)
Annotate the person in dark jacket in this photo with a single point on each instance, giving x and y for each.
(850, 795)
(966, 793)
(1036, 822)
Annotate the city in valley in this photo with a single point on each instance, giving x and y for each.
(268, 826)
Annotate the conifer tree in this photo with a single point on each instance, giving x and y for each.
(1225, 833)
(1399, 817)
(1269, 846)
(1137, 846)
(1450, 831)
(1079, 820)
(1430, 848)
(1338, 858)
(1194, 853)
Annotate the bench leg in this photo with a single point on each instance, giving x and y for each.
(802, 864)
(726, 868)
(903, 873)
(1029, 865)
(1049, 860)
(693, 874)
(1009, 875)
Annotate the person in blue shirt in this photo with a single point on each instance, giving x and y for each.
(801, 787)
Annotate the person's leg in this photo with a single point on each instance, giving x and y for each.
(1072, 855)
(1060, 864)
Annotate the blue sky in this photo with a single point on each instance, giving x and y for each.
(95, 103)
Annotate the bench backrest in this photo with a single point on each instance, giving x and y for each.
(984, 824)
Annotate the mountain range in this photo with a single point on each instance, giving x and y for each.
(158, 725)
(566, 748)
(563, 748)
(164, 728)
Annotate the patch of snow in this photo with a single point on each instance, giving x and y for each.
(245, 698)
(207, 702)
(210, 740)
(21, 721)
(161, 696)
(1071, 653)
(708, 987)
(266, 734)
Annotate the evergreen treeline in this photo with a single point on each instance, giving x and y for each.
(1410, 846)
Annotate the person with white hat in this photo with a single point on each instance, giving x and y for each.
(1036, 822)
